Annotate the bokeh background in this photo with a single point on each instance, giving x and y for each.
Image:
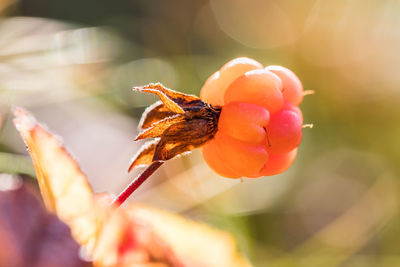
(73, 63)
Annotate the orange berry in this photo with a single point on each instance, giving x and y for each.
(214, 88)
(244, 121)
(213, 158)
(259, 87)
(295, 109)
(243, 158)
(210, 92)
(260, 125)
(278, 163)
(283, 132)
(292, 89)
(236, 67)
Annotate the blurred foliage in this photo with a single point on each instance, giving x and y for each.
(131, 235)
(73, 64)
(30, 236)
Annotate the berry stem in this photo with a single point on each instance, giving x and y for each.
(136, 183)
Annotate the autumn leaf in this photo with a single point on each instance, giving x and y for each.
(134, 235)
(64, 188)
(193, 243)
(30, 236)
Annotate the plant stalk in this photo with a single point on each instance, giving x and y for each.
(136, 183)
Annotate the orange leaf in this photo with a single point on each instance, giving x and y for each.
(64, 188)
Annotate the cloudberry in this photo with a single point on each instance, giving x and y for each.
(260, 125)
(247, 121)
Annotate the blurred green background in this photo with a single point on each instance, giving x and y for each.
(72, 63)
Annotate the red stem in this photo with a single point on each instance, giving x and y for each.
(136, 183)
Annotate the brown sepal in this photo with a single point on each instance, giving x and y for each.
(173, 100)
(180, 138)
(145, 155)
(156, 112)
(158, 128)
(181, 122)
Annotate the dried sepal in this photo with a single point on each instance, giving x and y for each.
(156, 112)
(168, 102)
(158, 128)
(180, 138)
(174, 101)
(145, 155)
(193, 124)
(181, 122)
